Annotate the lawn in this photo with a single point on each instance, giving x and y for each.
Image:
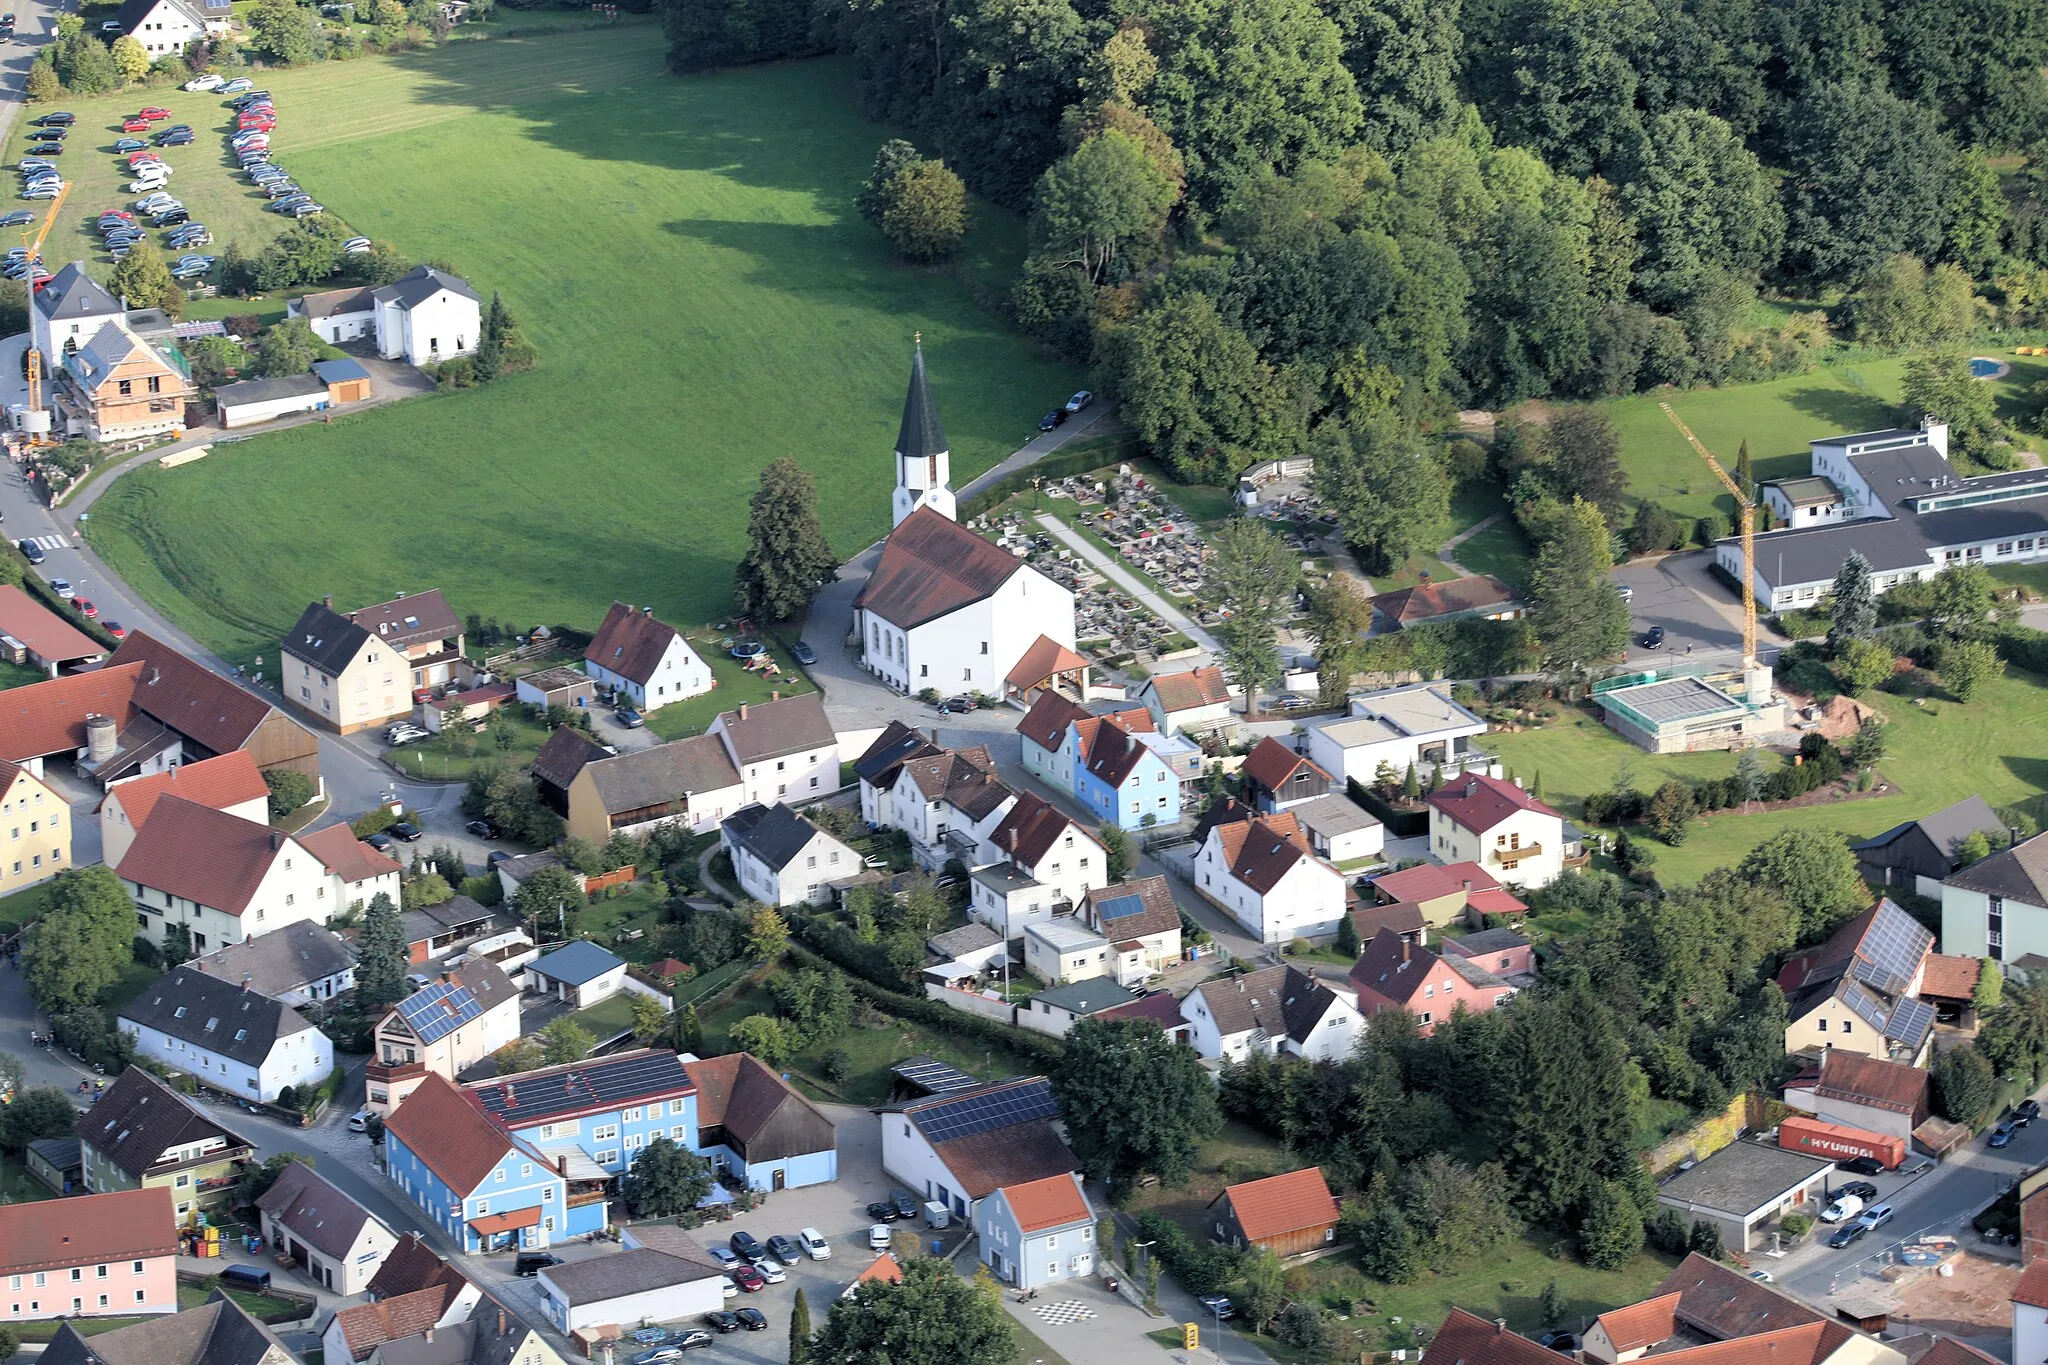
(685, 254)
(189, 1296)
(449, 756)
(607, 1019)
(636, 907)
(19, 675)
(733, 684)
(17, 1186)
(1937, 754)
(22, 907)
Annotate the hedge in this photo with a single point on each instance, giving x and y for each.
(1037, 1047)
(1201, 1267)
(1401, 824)
(2023, 646)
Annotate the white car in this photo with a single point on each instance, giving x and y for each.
(359, 1122)
(207, 82)
(814, 1244)
(879, 1237)
(728, 1289)
(154, 182)
(771, 1271)
(1845, 1207)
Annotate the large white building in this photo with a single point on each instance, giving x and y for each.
(944, 608)
(225, 879)
(1264, 874)
(647, 660)
(1493, 822)
(224, 1036)
(422, 318)
(1419, 724)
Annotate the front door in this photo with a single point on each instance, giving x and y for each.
(781, 1177)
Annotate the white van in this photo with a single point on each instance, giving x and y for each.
(1848, 1206)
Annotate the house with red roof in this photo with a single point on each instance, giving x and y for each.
(1276, 777)
(1264, 874)
(482, 1186)
(1198, 700)
(223, 878)
(1284, 1214)
(1037, 1233)
(1047, 864)
(229, 782)
(647, 661)
(1493, 822)
(1118, 765)
(31, 633)
(1442, 893)
(1395, 974)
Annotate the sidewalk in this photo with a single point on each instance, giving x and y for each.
(1128, 581)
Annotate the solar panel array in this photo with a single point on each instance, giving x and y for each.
(934, 1078)
(1911, 1020)
(587, 1084)
(437, 1010)
(1868, 1006)
(1118, 907)
(971, 1114)
(1891, 951)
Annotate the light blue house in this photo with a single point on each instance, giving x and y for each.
(1037, 1233)
(757, 1130)
(1130, 777)
(483, 1187)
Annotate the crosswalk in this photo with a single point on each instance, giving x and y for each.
(51, 542)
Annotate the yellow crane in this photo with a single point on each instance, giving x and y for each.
(1746, 514)
(35, 357)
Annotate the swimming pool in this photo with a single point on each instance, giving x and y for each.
(1982, 368)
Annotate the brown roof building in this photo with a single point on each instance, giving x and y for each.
(747, 1109)
(47, 640)
(205, 713)
(1276, 777)
(96, 1229)
(1623, 1334)
(1284, 1214)
(932, 565)
(1474, 595)
(1468, 1339)
(218, 1332)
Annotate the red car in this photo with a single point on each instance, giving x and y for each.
(119, 213)
(136, 124)
(85, 607)
(748, 1278)
(116, 629)
(153, 113)
(142, 158)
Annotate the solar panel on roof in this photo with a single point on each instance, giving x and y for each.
(1120, 906)
(1911, 1020)
(972, 1114)
(1891, 950)
(585, 1085)
(934, 1078)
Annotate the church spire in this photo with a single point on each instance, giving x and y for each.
(921, 437)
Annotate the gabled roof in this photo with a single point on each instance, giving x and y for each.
(1478, 802)
(896, 745)
(1263, 850)
(218, 1332)
(1946, 827)
(329, 303)
(775, 835)
(1484, 942)
(962, 778)
(1642, 1324)
(1052, 1203)
(920, 436)
(1045, 658)
(885, 1269)
(1045, 724)
(346, 856)
(1393, 967)
(1722, 1302)
(447, 1130)
(47, 635)
(324, 638)
(314, 1210)
(366, 1326)
(1109, 749)
(409, 1266)
(993, 1135)
(1432, 881)
(641, 779)
(2018, 873)
(932, 565)
(73, 293)
(1028, 833)
(2032, 1288)
(631, 643)
(139, 1118)
(49, 717)
(774, 729)
(1467, 1339)
(621, 1274)
(1950, 977)
(597, 1083)
(739, 1094)
(225, 780)
(1157, 1008)
(1873, 1081)
(1807, 1344)
(280, 961)
(1279, 1000)
(117, 1226)
(1403, 917)
(1281, 1204)
(112, 346)
(1883, 948)
(417, 618)
(1453, 597)
(213, 1015)
(421, 283)
(576, 962)
(1134, 909)
(1272, 764)
(1192, 690)
(188, 698)
(202, 854)
(456, 998)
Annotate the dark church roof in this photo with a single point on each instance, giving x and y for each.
(921, 436)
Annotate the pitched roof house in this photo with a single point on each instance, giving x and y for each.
(1141, 921)
(757, 1129)
(947, 801)
(1868, 1093)
(784, 750)
(483, 1186)
(106, 1255)
(1037, 1233)
(359, 872)
(36, 845)
(1919, 854)
(1858, 992)
(118, 387)
(1627, 1333)
(1198, 699)
(1446, 892)
(224, 878)
(69, 311)
(692, 780)
(217, 1332)
(1284, 1214)
(564, 755)
(295, 965)
(1393, 973)
(781, 858)
(337, 1240)
(445, 1027)
(229, 1038)
(1275, 1010)
(201, 714)
(647, 660)
(1262, 872)
(1995, 908)
(1049, 864)
(1493, 822)
(959, 1147)
(1276, 777)
(227, 782)
(141, 1134)
(1480, 595)
(349, 671)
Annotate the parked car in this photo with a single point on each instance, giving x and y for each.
(1862, 1165)
(17, 218)
(485, 829)
(748, 1278)
(882, 1211)
(728, 1289)
(1862, 1189)
(1219, 1305)
(1056, 418)
(134, 124)
(381, 842)
(906, 1207)
(629, 718)
(235, 86)
(785, 1249)
(2026, 1111)
(1557, 1340)
(59, 119)
(659, 1355)
(209, 81)
(879, 1237)
(771, 1271)
(2002, 1134)
(86, 608)
(32, 552)
(174, 218)
(1844, 1208)
(1848, 1234)
(1653, 638)
(803, 653)
(724, 1257)
(130, 144)
(175, 139)
(1079, 401)
(814, 1244)
(746, 1248)
(62, 587)
(407, 831)
(531, 1263)
(753, 1319)
(957, 706)
(115, 629)
(1876, 1216)
(308, 210)
(155, 113)
(720, 1321)
(359, 1122)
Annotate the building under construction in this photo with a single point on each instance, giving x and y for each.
(1690, 708)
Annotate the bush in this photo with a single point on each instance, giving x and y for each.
(1201, 1267)
(1795, 1225)
(1036, 1047)
(374, 822)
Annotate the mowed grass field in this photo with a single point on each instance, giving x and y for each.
(686, 255)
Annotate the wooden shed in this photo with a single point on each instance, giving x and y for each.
(1285, 1214)
(347, 381)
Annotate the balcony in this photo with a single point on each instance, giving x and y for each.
(385, 1073)
(582, 1198)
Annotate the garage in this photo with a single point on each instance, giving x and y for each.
(630, 1288)
(1743, 1189)
(263, 400)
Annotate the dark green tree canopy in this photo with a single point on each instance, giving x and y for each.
(1134, 1102)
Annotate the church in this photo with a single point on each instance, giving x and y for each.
(946, 609)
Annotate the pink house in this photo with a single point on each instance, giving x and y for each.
(1501, 951)
(108, 1255)
(1393, 973)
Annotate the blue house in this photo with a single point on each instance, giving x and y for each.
(757, 1130)
(1130, 777)
(1038, 1232)
(485, 1188)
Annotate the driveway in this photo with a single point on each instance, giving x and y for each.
(1698, 611)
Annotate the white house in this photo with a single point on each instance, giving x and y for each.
(1037, 1233)
(1418, 724)
(949, 802)
(784, 750)
(337, 1241)
(647, 660)
(2030, 1313)
(358, 873)
(72, 307)
(1264, 875)
(959, 1147)
(579, 973)
(226, 1037)
(422, 318)
(1141, 922)
(1050, 863)
(224, 878)
(1997, 907)
(1060, 950)
(230, 782)
(1198, 699)
(295, 965)
(1276, 1011)
(1493, 822)
(165, 28)
(945, 609)
(641, 1285)
(782, 858)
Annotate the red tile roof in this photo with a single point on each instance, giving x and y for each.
(1873, 1081)
(366, 1326)
(1261, 851)
(1271, 764)
(491, 1224)
(630, 643)
(1950, 977)
(1045, 724)
(1046, 657)
(1642, 1324)
(346, 856)
(1468, 1339)
(932, 565)
(1030, 829)
(1807, 1344)
(119, 1226)
(446, 1129)
(1107, 750)
(1192, 690)
(188, 698)
(1054, 1202)
(885, 1269)
(2032, 1288)
(1281, 1204)
(1476, 592)
(48, 636)
(49, 717)
(1478, 802)
(227, 780)
(202, 854)
(1432, 881)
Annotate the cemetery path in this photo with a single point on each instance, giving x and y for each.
(1129, 582)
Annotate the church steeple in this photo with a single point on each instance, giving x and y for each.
(923, 463)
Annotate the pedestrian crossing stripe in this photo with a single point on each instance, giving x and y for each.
(51, 542)
(1063, 1314)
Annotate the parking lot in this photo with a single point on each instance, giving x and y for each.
(1695, 606)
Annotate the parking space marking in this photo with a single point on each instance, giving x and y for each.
(1063, 1314)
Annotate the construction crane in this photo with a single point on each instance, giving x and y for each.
(1745, 508)
(35, 357)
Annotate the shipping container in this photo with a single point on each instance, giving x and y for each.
(1837, 1142)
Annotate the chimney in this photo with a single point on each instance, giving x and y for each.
(430, 1336)
(1468, 886)
(1472, 787)
(327, 600)
(447, 978)
(246, 979)
(511, 1099)
(276, 841)
(562, 1165)
(1404, 952)
(743, 710)
(647, 611)
(1499, 1325)
(501, 1320)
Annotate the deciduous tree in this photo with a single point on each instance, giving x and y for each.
(1134, 1103)
(1099, 204)
(926, 219)
(666, 1179)
(788, 558)
(1388, 491)
(131, 59)
(1868, 176)
(83, 940)
(1967, 665)
(931, 1317)
(565, 1040)
(1814, 871)
(1253, 575)
(1197, 393)
(1339, 617)
(145, 281)
(285, 348)
(767, 933)
(550, 901)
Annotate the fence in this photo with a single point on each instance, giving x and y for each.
(972, 1002)
(605, 881)
(538, 649)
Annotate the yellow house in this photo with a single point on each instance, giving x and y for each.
(142, 1134)
(1859, 992)
(35, 830)
(691, 780)
(353, 670)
